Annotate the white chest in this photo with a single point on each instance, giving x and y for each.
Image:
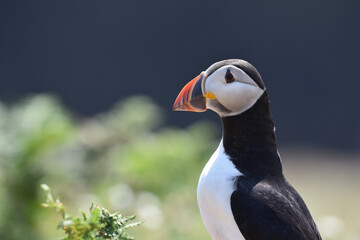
(215, 187)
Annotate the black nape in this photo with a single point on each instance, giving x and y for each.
(249, 140)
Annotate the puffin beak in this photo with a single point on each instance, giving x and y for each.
(191, 97)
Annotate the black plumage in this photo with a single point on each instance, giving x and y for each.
(265, 206)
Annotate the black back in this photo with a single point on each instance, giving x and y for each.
(265, 206)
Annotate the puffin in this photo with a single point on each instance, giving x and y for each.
(242, 192)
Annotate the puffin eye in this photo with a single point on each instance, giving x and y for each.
(229, 78)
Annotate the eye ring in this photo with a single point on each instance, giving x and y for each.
(229, 78)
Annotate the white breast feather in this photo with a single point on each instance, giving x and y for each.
(215, 187)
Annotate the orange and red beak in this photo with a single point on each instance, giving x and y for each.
(192, 98)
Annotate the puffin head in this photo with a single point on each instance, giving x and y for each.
(228, 87)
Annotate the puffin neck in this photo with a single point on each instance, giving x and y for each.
(249, 140)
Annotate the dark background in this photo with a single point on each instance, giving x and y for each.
(94, 53)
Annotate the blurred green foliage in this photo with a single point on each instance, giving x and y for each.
(100, 224)
(128, 160)
(124, 159)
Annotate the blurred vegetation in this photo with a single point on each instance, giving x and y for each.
(100, 224)
(123, 159)
(127, 160)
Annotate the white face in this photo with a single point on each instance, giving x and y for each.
(232, 96)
